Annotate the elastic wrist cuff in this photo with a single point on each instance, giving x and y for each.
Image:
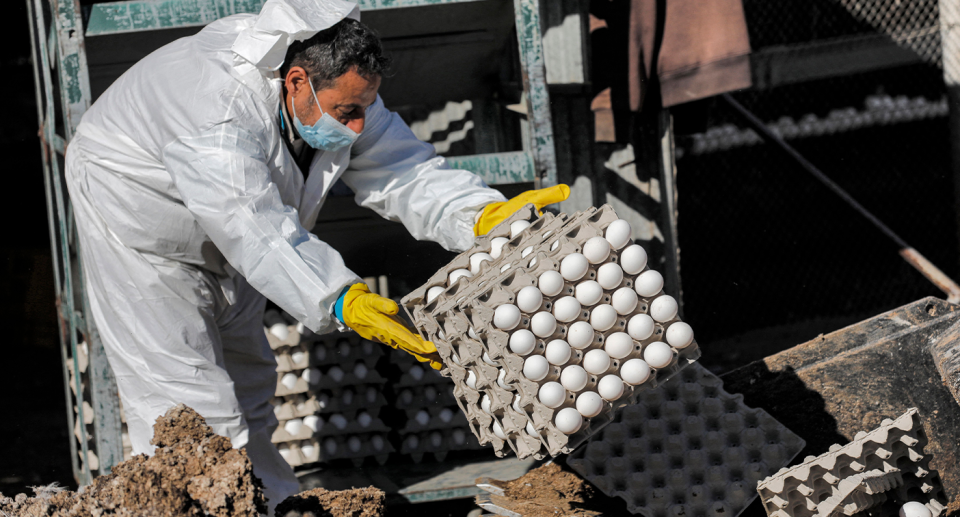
(338, 307)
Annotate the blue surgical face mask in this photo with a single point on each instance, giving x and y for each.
(328, 134)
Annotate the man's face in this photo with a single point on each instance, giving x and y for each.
(346, 100)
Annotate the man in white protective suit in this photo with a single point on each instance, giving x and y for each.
(194, 180)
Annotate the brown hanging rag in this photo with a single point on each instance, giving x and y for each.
(704, 50)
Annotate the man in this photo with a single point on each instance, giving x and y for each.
(194, 180)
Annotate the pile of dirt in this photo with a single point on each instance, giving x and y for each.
(547, 491)
(193, 473)
(359, 502)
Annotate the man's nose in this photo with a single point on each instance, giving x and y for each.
(357, 124)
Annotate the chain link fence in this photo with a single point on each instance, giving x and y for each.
(764, 246)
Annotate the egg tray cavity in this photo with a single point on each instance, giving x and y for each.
(459, 322)
(686, 448)
(891, 455)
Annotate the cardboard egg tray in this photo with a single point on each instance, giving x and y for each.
(417, 444)
(888, 461)
(687, 447)
(334, 448)
(459, 322)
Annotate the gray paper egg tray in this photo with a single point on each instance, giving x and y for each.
(686, 448)
(469, 307)
(353, 427)
(349, 401)
(424, 442)
(817, 485)
(331, 349)
(339, 451)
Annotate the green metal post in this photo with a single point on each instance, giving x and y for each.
(530, 40)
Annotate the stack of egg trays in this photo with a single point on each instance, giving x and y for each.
(460, 324)
(421, 389)
(348, 392)
(896, 444)
(687, 447)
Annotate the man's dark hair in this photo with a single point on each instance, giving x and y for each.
(334, 51)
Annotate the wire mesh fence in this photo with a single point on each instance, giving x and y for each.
(763, 244)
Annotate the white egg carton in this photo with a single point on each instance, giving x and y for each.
(437, 443)
(897, 445)
(477, 355)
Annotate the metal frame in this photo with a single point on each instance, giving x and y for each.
(61, 76)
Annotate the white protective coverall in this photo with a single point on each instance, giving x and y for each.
(190, 209)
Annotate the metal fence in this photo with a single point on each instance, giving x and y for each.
(763, 245)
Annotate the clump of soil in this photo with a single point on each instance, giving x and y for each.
(193, 473)
(547, 491)
(358, 502)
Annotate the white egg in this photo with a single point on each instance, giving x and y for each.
(280, 331)
(497, 430)
(679, 335)
(478, 258)
(609, 275)
(522, 342)
(446, 415)
(436, 439)
(580, 334)
(293, 426)
(573, 267)
(377, 442)
(506, 267)
(526, 251)
(588, 292)
(502, 379)
(287, 453)
(543, 324)
(298, 357)
(557, 352)
(354, 444)
(433, 292)
(516, 404)
(457, 274)
(618, 345)
(610, 387)
(603, 317)
(624, 300)
(550, 283)
(335, 373)
(568, 420)
(531, 431)
(555, 245)
(339, 421)
(552, 394)
(289, 380)
(589, 404)
(471, 379)
(506, 317)
(320, 352)
(914, 509)
(658, 354)
(574, 378)
(422, 418)
(596, 361)
(412, 442)
(649, 283)
(430, 393)
(596, 250)
(472, 333)
(633, 259)
(487, 359)
(330, 445)
(344, 347)
(360, 371)
(664, 308)
(416, 372)
(640, 327)
(518, 226)
(371, 394)
(496, 246)
(313, 422)
(308, 449)
(566, 309)
(364, 419)
(347, 397)
(529, 299)
(535, 367)
(459, 437)
(618, 234)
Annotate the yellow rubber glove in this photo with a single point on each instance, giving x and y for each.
(494, 213)
(375, 317)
